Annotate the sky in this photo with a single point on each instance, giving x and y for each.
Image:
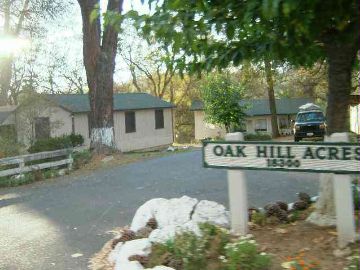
(65, 34)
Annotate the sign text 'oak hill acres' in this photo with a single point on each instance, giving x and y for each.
(316, 157)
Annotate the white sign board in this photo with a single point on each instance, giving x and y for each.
(343, 158)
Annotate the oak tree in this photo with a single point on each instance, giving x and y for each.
(99, 52)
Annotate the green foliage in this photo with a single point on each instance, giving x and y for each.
(9, 147)
(76, 139)
(221, 96)
(55, 143)
(258, 218)
(81, 158)
(27, 178)
(221, 33)
(258, 136)
(243, 255)
(214, 249)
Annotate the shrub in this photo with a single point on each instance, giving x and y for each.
(81, 158)
(76, 139)
(243, 255)
(55, 143)
(258, 136)
(9, 147)
(212, 250)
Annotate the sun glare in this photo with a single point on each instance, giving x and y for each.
(12, 46)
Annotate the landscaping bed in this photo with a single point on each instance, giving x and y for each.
(184, 234)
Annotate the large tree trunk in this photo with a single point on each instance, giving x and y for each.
(340, 61)
(271, 96)
(99, 60)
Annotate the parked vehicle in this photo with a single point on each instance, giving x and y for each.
(310, 123)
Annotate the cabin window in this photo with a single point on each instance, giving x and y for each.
(130, 122)
(159, 119)
(260, 125)
(42, 128)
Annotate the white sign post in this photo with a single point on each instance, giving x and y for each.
(345, 223)
(335, 156)
(237, 194)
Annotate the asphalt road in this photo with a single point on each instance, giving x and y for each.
(43, 224)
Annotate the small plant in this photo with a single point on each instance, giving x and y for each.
(353, 262)
(76, 139)
(26, 178)
(81, 158)
(55, 143)
(214, 250)
(299, 262)
(243, 255)
(258, 218)
(258, 136)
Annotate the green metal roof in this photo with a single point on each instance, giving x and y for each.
(122, 102)
(261, 106)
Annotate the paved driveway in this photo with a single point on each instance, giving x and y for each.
(42, 225)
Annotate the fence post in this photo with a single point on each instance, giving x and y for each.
(237, 194)
(21, 167)
(70, 165)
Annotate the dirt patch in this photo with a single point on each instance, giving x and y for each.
(313, 243)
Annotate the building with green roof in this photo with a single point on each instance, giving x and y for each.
(258, 116)
(141, 120)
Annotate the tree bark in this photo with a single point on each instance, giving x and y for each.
(99, 60)
(271, 96)
(340, 58)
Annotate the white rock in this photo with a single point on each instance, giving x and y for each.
(62, 172)
(114, 253)
(170, 149)
(160, 267)
(162, 235)
(145, 212)
(120, 255)
(166, 212)
(169, 232)
(175, 212)
(133, 265)
(342, 252)
(211, 212)
(107, 159)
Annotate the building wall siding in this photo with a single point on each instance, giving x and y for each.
(82, 126)
(145, 136)
(60, 123)
(204, 130)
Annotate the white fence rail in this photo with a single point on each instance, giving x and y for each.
(22, 160)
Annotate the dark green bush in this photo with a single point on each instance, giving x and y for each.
(76, 139)
(56, 143)
(258, 136)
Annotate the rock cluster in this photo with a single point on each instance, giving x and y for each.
(159, 220)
